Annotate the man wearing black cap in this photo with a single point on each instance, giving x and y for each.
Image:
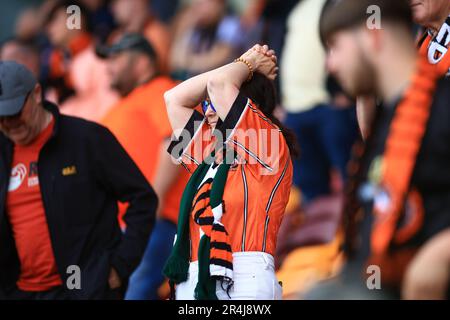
(140, 123)
(131, 61)
(61, 178)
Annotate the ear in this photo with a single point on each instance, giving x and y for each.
(37, 93)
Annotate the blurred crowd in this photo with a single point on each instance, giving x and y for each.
(80, 75)
(115, 68)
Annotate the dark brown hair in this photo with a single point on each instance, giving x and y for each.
(340, 15)
(262, 92)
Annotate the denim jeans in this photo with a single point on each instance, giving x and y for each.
(325, 135)
(147, 278)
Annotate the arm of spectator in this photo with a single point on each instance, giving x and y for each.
(117, 172)
(166, 174)
(365, 111)
(182, 29)
(179, 52)
(219, 54)
(428, 275)
(227, 37)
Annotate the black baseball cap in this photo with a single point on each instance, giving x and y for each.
(129, 41)
(16, 82)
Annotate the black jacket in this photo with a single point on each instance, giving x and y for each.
(83, 172)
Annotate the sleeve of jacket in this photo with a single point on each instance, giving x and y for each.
(121, 176)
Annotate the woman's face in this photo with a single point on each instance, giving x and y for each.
(211, 117)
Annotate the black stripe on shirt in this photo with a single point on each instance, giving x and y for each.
(183, 143)
(232, 117)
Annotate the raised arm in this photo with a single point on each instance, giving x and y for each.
(224, 84)
(221, 84)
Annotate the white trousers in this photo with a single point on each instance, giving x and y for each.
(253, 275)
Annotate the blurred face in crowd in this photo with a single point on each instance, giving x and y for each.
(23, 128)
(347, 61)
(57, 30)
(128, 69)
(27, 25)
(120, 70)
(13, 51)
(430, 13)
(125, 11)
(209, 12)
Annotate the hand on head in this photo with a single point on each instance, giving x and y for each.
(263, 60)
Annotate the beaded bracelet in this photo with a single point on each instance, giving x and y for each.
(250, 68)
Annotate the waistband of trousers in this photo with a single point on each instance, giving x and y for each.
(242, 260)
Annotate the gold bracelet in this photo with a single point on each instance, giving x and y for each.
(249, 66)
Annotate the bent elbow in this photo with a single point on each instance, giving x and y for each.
(168, 98)
(215, 84)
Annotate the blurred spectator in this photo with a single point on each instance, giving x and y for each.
(23, 52)
(140, 123)
(67, 43)
(397, 199)
(135, 16)
(28, 24)
(163, 9)
(264, 21)
(79, 77)
(205, 37)
(325, 132)
(100, 18)
(30, 29)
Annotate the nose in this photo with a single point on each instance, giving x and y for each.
(210, 113)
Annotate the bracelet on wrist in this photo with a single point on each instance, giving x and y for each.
(249, 66)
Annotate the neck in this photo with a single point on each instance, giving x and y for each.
(435, 26)
(45, 118)
(146, 77)
(394, 75)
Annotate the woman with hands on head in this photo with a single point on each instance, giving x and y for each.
(239, 157)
